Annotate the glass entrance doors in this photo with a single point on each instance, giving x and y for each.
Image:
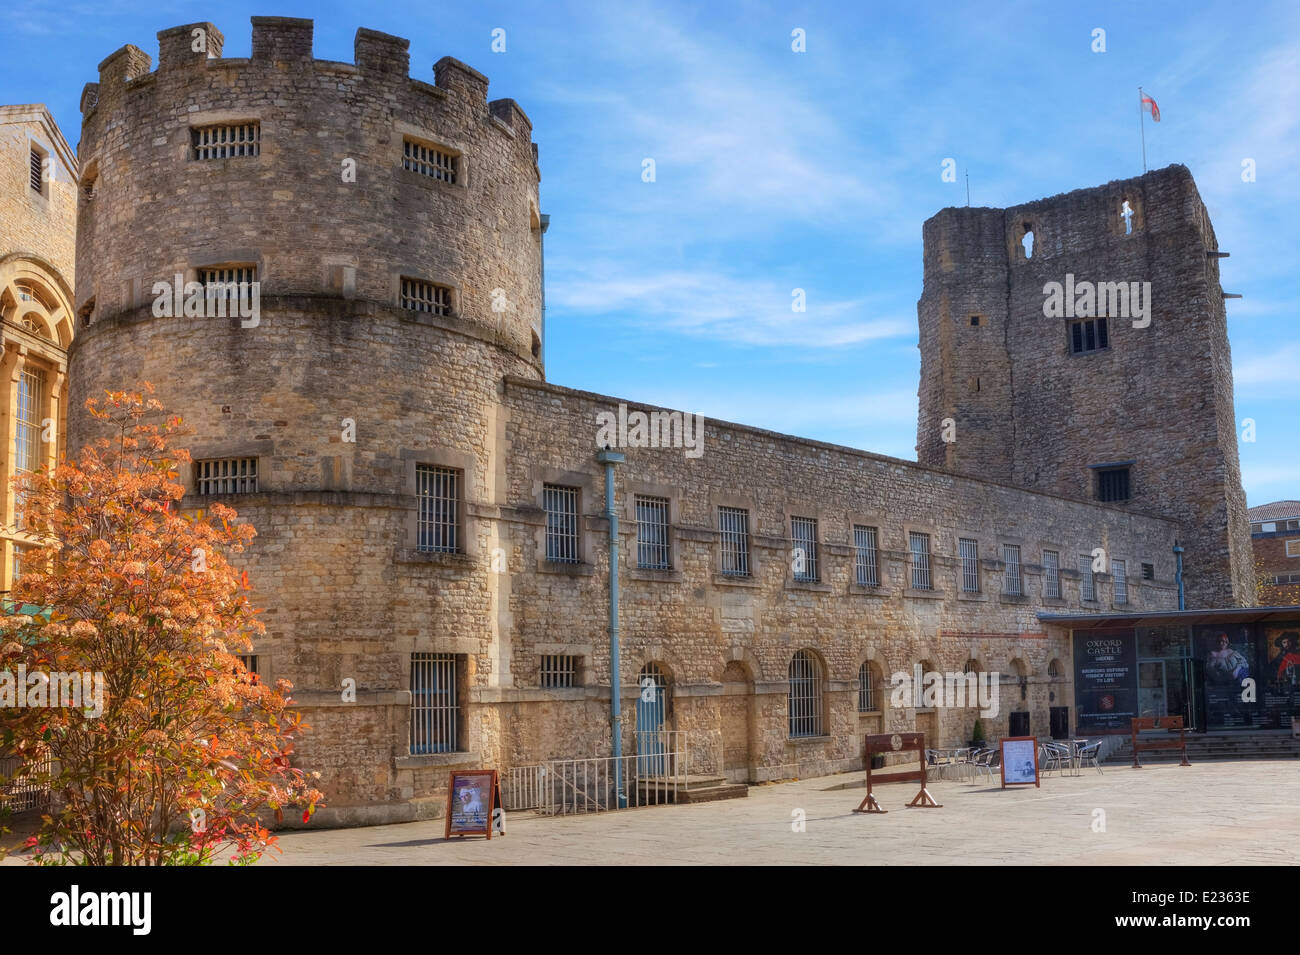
(1151, 688)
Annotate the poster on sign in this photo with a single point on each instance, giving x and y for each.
(1019, 761)
(473, 804)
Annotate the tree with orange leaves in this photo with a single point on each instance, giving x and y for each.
(183, 755)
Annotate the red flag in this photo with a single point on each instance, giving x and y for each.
(1150, 105)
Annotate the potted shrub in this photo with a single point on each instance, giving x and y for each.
(977, 739)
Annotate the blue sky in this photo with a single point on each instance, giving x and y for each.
(777, 170)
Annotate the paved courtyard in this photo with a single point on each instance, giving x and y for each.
(1227, 813)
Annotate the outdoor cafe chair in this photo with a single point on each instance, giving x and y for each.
(1091, 754)
(1056, 756)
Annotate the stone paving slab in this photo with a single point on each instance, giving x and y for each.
(1224, 813)
(1210, 814)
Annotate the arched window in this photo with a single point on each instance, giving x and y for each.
(1055, 670)
(868, 689)
(805, 695)
(971, 667)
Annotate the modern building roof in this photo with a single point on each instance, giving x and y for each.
(1277, 511)
(1155, 618)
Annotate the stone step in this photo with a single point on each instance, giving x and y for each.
(713, 793)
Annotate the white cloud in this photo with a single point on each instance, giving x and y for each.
(720, 306)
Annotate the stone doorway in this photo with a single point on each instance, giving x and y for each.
(737, 693)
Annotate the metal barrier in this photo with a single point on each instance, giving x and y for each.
(652, 777)
(19, 791)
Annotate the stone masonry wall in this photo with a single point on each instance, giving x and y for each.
(1040, 417)
(695, 622)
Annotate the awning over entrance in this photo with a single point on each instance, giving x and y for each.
(1227, 615)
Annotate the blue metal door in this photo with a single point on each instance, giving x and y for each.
(650, 715)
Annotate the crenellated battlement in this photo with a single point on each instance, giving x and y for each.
(355, 178)
(283, 45)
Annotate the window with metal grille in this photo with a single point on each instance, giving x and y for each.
(1051, 574)
(437, 493)
(1149, 571)
(226, 141)
(1013, 584)
(1087, 590)
(805, 695)
(866, 689)
(919, 544)
(421, 296)
(866, 563)
(435, 709)
(429, 161)
(1119, 573)
(969, 552)
(1088, 336)
(733, 532)
(803, 541)
(229, 285)
(561, 506)
(31, 413)
(225, 476)
(652, 533)
(1113, 484)
(558, 671)
(38, 170)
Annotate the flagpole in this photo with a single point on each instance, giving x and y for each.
(1142, 125)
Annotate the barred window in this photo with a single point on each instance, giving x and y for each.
(919, 544)
(435, 708)
(1149, 570)
(558, 671)
(1113, 484)
(805, 695)
(1087, 588)
(429, 161)
(1051, 574)
(733, 529)
(437, 492)
(561, 506)
(652, 533)
(421, 296)
(1088, 336)
(225, 476)
(866, 563)
(867, 689)
(969, 552)
(803, 540)
(1013, 583)
(31, 412)
(226, 141)
(1119, 573)
(229, 287)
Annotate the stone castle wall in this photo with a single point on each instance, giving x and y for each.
(696, 623)
(1028, 412)
(347, 596)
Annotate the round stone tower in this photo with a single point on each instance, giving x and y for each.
(345, 397)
